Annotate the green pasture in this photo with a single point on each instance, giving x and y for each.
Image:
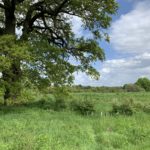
(32, 127)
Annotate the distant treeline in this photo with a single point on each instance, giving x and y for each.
(103, 89)
(141, 85)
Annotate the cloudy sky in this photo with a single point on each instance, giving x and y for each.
(128, 54)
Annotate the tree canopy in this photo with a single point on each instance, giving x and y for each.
(144, 83)
(46, 45)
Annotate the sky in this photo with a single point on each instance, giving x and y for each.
(128, 53)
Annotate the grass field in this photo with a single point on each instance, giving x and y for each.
(31, 127)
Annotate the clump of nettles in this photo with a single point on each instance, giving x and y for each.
(125, 108)
(122, 109)
(83, 106)
(62, 101)
(61, 95)
(146, 108)
(129, 107)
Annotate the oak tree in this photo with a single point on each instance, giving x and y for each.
(46, 44)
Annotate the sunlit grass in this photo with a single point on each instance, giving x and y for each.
(34, 128)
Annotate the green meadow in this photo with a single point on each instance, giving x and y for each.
(37, 126)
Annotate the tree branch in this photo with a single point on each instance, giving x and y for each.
(2, 6)
(19, 1)
(1, 31)
(40, 10)
(60, 7)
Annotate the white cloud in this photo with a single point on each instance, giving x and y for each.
(118, 72)
(131, 36)
(78, 29)
(77, 26)
(131, 33)
(125, 70)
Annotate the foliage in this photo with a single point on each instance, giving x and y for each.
(29, 95)
(61, 96)
(61, 92)
(129, 107)
(144, 83)
(13, 54)
(133, 88)
(122, 109)
(60, 104)
(83, 106)
(103, 89)
(47, 43)
(146, 108)
(1, 94)
(12, 49)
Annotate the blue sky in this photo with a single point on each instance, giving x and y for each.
(124, 7)
(128, 53)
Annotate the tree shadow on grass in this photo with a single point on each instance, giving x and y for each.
(22, 107)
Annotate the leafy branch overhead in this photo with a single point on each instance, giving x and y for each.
(46, 29)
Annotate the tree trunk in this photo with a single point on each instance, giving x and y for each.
(6, 96)
(10, 19)
(13, 74)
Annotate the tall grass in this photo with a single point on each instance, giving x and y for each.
(32, 127)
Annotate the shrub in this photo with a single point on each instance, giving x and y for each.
(84, 107)
(42, 102)
(60, 104)
(1, 94)
(146, 108)
(122, 109)
(27, 95)
(46, 102)
(133, 88)
(129, 107)
(138, 106)
(61, 95)
(61, 92)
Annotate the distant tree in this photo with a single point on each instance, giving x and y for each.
(133, 88)
(43, 50)
(143, 83)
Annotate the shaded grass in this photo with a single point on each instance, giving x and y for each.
(32, 127)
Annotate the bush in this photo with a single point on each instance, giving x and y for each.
(122, 109)
(1, 95)
(61, 95)
(146, 108)
(133, 88)
(138, 106)
(84, 107)
(60, 104)
(129, 107)
(42, 102)
(28, 95)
